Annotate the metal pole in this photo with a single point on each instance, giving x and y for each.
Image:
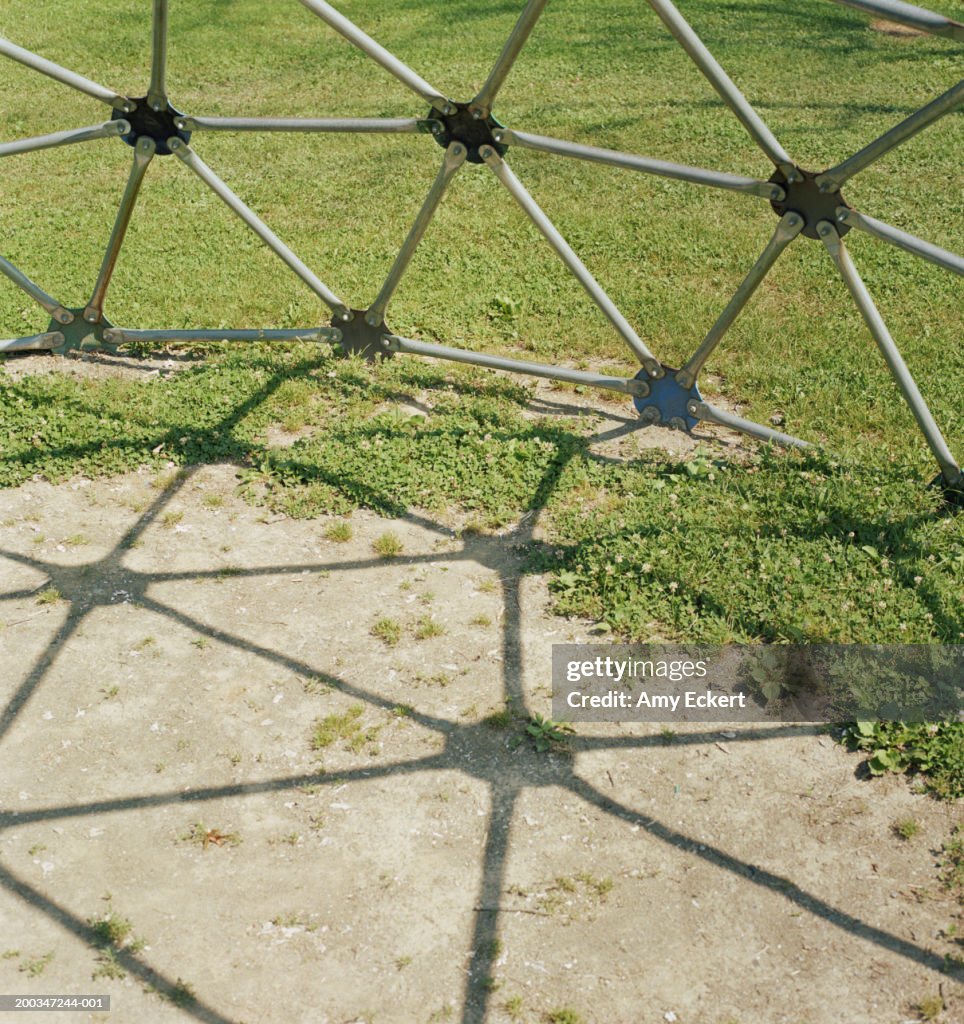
(379, 54)
(723, 85)
(630, 386)
(886, 232)
(157, 91)
(908, 14)
(898, 368)
(51, 305)
(184, 152)
(482, 104)
(711, 414)
(35, 343)
(831, 180)
(791, 224)
(143, 154)
(121, 336)
(71, 78)
(502, 171)
(307, 124)
(65, 138)
(454, 158)
(663, 168)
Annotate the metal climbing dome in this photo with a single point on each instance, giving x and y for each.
(807, 204)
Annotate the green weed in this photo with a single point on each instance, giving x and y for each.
(339, 531)
(934, 751)
(389, 631)
(387, 545)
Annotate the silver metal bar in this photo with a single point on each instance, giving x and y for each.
(52, 306)
(482, 104)
(71, 78)
(143, 154)
(908, 14)
(663, 168)
(65, 138)
(184, 152)
(723, 84)
(35, 343)
(121, 336)
(157, 90)
(379, 54)
(888, 233)
(454, 158)
(711, 414)
(791, 224)
(890, 352)
(831, 180)
(629, 386)
(532, 209)
(307, 124)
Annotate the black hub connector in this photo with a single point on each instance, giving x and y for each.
(805, 198)
(472, 132)
(360, 338)
(158, 125)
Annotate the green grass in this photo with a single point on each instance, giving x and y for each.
(346, 727)
(769, 546)
(339, 531)
(389, 631)
(336, 727)
(934, 750)
(387, 545)
(33, 967)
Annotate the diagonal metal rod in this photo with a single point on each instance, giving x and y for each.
(712, 414)
(629, 386)
(533, 211)
(143, 154)
(482, 104)
(184, 152)
(724, 86)
(888, 233)
(908, 14)
(454, 158)
(157, 90)
(791, 224)
(895, 362)
(831, 180)
(61, 74)
(308, 124)
(121, 336)
(35, 343)
(65, 138)
(662, 168)
(379, 54)
(51, 305)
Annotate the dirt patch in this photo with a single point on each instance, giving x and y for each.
(96, 365)
(306, 823)
(893, 28)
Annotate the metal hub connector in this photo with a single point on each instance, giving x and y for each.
(669, 403)
(81, 336)
(806, 198)
(360, 338)
(473, 132)
(159, 125)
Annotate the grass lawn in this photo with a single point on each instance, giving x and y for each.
(844, 544)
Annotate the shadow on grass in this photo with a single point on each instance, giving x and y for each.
(475, 749)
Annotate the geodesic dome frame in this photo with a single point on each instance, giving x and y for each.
(808, 204)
